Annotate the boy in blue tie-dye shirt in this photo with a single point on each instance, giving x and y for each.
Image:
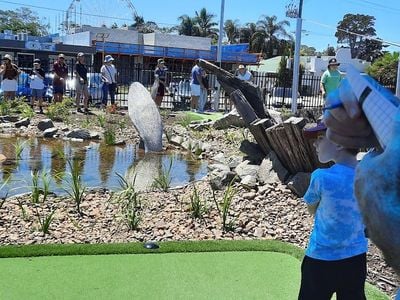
(335, 260)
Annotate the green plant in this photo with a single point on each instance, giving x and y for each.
(76, 188)
(224, 207)
(163, 181)
(24, 213)
(19, 147)
(26, 111)
(5, 108)
(129, 203)
(185, 120)
(44, 219)
(101, 119)
(3, 199)
(59, 111)
(197, 205)
(36, 189)
(86, 122)
(122, 124)
(109, 135)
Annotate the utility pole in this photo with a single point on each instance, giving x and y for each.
(219, 52)
(293, 12)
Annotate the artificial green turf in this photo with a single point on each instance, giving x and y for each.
(214, 275)
(186, 255)
(204, 116)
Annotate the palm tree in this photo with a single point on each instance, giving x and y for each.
(205, 23)
(144, 27)
(187, 26)
(268, 34)
(245, 33)
(231, 29)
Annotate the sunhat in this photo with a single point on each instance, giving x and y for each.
(333, 62)
(8, 56)
(108, 58)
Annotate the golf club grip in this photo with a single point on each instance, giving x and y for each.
(378, 104)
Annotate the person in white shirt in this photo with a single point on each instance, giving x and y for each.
(244, 74)
(37, 76)
(109, 77)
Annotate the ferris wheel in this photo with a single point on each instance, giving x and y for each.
(99, 13)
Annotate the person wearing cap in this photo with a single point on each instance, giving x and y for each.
(60, 70)
(335, 258)
(10, 74)
(109, 77)
(244, 74)
(81, 83)
(331, 78)
(37, 76)
(160, 73)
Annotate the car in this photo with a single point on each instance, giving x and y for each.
(282, 97)
(180, 91)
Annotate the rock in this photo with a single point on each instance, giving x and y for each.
(79, 134)
(253, 152)
(231, 119)
(205, 147)
(94, 136)
(188, 144)
(145, 116)
(266, 174)
(2, 157)
(218, 167)
(45, 124)
(249, 181)
(219, 179)
(283, 174)
(176, 140)
(119, 142)
(9, 119)
(234, 161)
(259, 232)
(249, 195)
(245, 169)
(220, 157)
(50, 132)
(299, 183)
(275, 115)
(23, 122)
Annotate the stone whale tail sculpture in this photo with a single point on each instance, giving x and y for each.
(145, 117)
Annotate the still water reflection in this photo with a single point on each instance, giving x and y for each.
(98, 164)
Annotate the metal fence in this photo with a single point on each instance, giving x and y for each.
(177, 95)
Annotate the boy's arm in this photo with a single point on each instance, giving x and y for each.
(313, 195)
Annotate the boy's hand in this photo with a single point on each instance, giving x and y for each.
(347, 125)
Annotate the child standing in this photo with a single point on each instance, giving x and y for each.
(335, 260)
(37, 76)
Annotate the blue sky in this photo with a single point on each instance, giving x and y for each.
(320, 16)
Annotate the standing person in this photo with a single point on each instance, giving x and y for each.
(335, 260)
(330, 78)
(10, 74)
(81, 83)
(244, 74)
(161, 73)
(195, 84)
(109, 77)
(37, 76)
(203, 91)
(60, 70)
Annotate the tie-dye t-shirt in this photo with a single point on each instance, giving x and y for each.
(338, 231)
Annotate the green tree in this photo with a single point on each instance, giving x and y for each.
(205, 23)
(246, 32)
(284, 76)
(187, 26)
(384, 69)
(307, 51)
(144, 27)
(268, 34)
(231, 29)
(23, 20)
(354, 31)
(329, 51)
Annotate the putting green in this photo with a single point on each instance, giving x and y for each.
(212, 275)
(257, 269)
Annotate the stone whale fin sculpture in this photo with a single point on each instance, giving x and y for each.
(145, 117)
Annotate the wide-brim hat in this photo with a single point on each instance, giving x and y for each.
(61, 55)
(8, 56)
(333, 62)
(108, 58)
(80, 54)
(313, 131)
(160, 61)
(241, 67)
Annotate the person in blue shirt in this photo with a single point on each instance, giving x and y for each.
(335, 258)
(196, 84)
